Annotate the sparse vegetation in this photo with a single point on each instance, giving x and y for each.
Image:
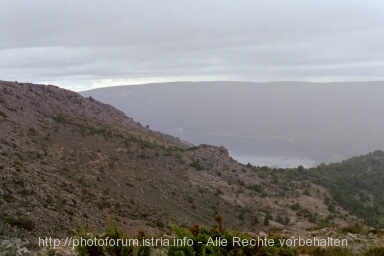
(23, 223)
(69, 167)
(196, 164)
(347, 180)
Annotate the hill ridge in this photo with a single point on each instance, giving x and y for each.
(68, 161)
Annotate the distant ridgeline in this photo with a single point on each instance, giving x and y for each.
(290, 119)
(356, 184)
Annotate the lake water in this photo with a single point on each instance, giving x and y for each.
(276, 161)
(258, 151)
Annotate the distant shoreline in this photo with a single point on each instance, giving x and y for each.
(276, 161)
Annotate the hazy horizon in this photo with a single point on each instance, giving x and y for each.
(321, 122)
(223, 81)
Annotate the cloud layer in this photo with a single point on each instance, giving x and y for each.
(87, 44)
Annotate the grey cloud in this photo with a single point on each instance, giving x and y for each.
(246, 40)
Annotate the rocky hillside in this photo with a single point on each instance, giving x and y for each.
(68, 162)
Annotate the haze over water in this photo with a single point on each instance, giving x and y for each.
(262, 123)
(273, 152)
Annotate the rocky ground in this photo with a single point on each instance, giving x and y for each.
(357, 244)
(68, 162)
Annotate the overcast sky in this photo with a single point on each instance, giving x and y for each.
(87, 44)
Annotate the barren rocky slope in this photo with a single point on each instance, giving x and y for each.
(68, 162)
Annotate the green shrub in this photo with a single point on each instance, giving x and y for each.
(266, 221)
(355, 228)
(200, 236)
(23, 223)
(256, 188)
(379, 251)
(160, 224)
(32, 131)
(196, 164)
(61, 119)
(255, 220)
(112, 232)
(295, 206)
(331, 208)
(85, 250)
(330, 251)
